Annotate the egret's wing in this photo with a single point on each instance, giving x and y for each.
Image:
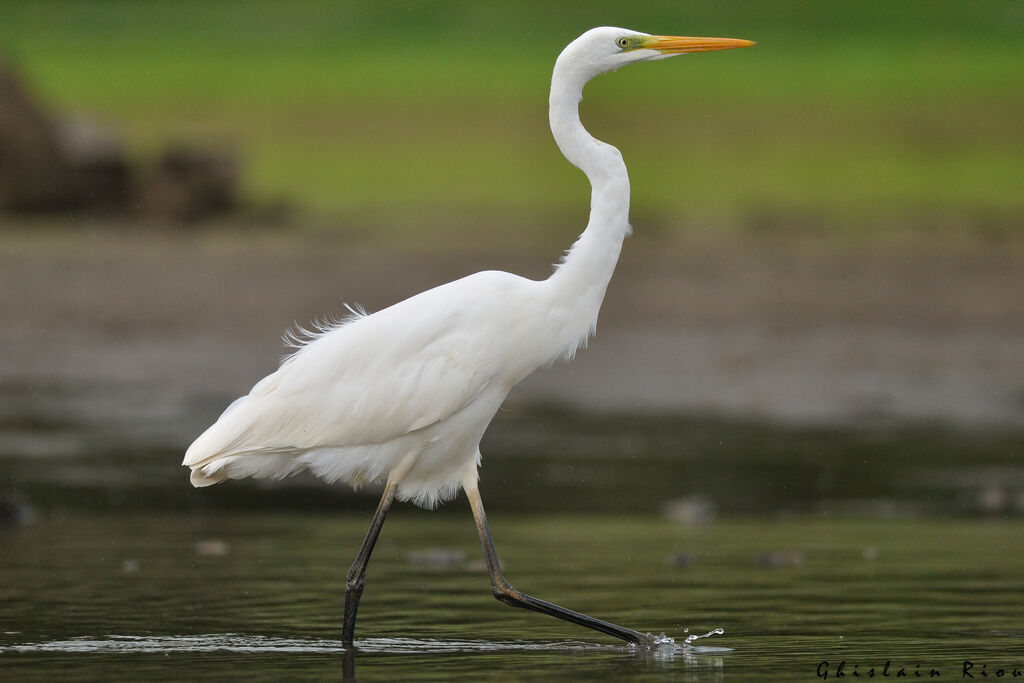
(369, 381)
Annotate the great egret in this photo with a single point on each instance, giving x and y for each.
(404, 395)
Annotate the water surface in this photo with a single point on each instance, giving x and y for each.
(232, 596)
(867, 544)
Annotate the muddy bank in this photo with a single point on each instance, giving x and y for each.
(161, 330)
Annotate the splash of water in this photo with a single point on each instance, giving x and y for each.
(694, 637)
(666, 642)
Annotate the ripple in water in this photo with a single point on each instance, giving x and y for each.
(240, 643)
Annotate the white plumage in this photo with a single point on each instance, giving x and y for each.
(404, 395)
(411, 389)
(417, 381)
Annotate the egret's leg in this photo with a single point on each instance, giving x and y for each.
(504, 591)
(356, 579)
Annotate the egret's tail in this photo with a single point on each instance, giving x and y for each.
(202, 475)
(208, 456)
(199, 480)
(211, 451)
(212, 465)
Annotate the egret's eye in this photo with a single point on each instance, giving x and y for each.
(623, 42)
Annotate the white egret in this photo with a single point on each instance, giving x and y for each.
(403, 396)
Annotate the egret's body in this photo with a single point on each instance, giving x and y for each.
(412, 386)
(404, 395)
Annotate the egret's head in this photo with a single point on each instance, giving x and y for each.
(607, 48)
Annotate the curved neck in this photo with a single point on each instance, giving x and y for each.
(578, 284)
(598, 160)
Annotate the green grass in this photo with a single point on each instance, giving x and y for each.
(849, 115)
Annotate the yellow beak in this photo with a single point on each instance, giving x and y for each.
(676, 45)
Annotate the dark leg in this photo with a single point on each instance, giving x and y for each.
(356, 579)
(348, 664)
(504, 591)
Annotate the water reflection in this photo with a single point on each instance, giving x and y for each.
(240, 643)
(692, 656)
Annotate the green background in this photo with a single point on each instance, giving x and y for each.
(405, 116)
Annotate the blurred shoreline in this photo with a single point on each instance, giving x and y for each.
(784, 328)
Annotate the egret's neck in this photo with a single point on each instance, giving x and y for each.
(579, 283)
